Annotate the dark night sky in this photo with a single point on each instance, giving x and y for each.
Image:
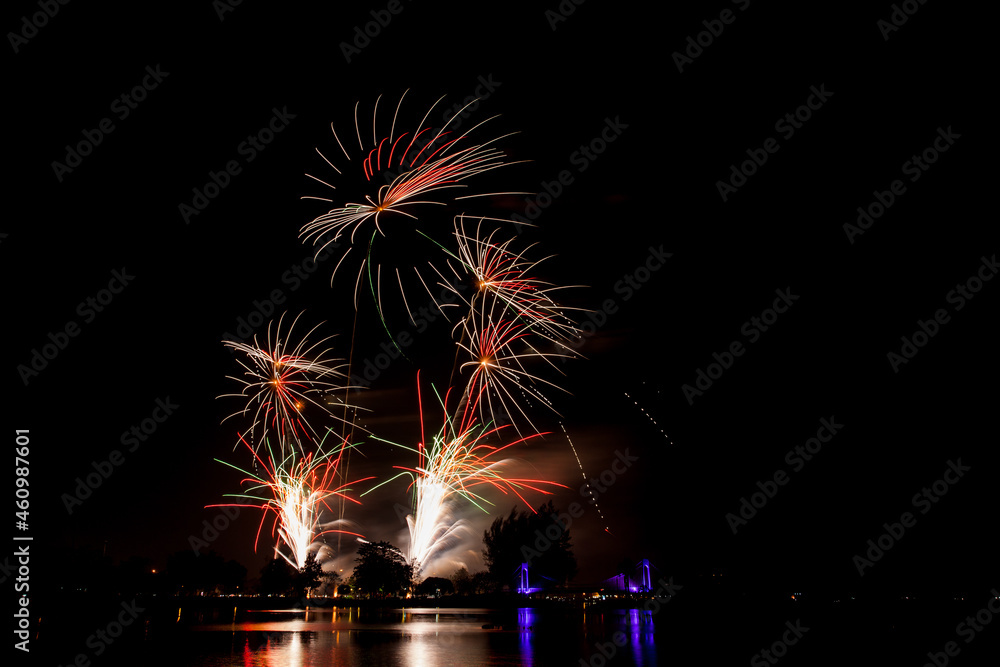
(655, 185)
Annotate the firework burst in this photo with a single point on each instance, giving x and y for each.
(295, 489)
(426, 167)
(461, 461)
(499, 382)
(410, 185)
(498, 274)
(281, 378)
(510, 322)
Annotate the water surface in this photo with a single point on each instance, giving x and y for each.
(415, 637)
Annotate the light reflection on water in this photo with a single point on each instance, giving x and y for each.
(641, 640)
(421, 638)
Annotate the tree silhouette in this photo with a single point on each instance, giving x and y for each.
(331, 581)
(482, 582)
(308, 576)
(381, 570)
(190, 573)
(461, 581)
(433, 585)
(276, 578)
(533, 538)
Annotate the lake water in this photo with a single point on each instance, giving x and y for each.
(699, 628)
(419, 637)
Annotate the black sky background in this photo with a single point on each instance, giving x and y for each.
(655, 185)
